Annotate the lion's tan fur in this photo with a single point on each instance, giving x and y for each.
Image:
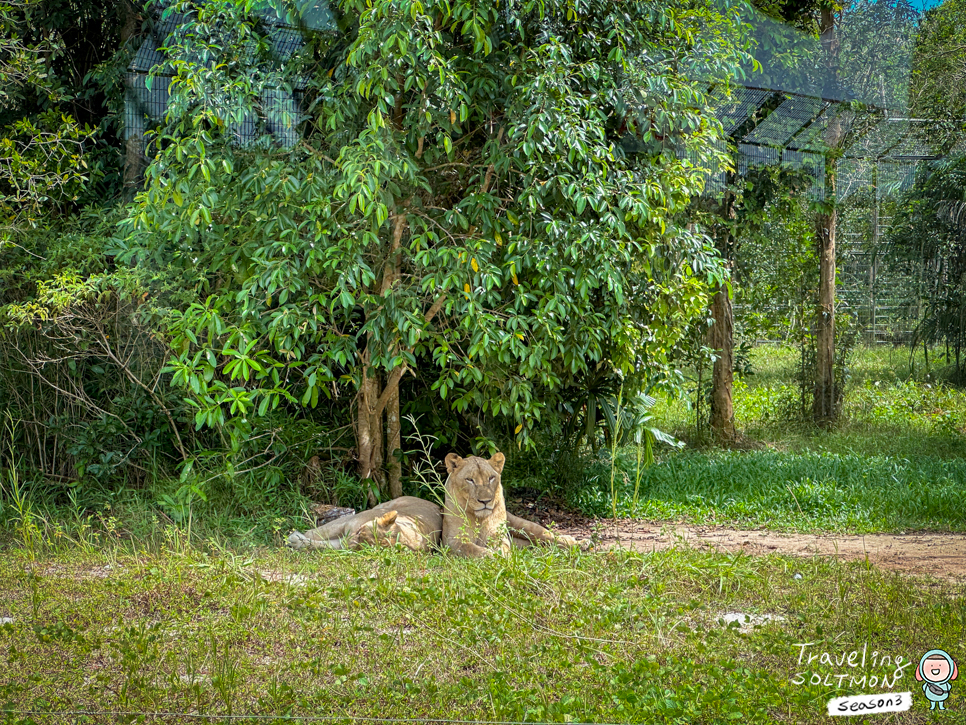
(407, 521)
(475, 519)
(474, 511)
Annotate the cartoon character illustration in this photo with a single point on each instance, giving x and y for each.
(935, 670)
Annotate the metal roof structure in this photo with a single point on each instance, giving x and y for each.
(794, 134)
(275, 114)
(780, 114)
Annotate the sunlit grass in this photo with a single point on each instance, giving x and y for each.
(809, 491)
(891, 407)
(896, 460)
(543, 636)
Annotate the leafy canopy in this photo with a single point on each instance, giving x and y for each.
(42, 160)
(460, 202)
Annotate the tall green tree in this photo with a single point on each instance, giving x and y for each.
(41, 147)
(461, 207)
(938, 90)
(863, 53)
(928, 241)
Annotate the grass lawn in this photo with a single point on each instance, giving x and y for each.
(113, 613)
(895, 462)
(548, 636)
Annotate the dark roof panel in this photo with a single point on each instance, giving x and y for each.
(736, 108)
(785, 121)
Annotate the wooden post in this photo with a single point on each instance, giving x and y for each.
(824, 400)
(134, 160)
(721, 334)
(825, 396)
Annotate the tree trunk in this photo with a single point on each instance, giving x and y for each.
(722, 378)
(391, 392)
(130, 21)
(369, 431)
(824, 400)
(721, 334)
(378, 457)
(393, 444)
(825, 397)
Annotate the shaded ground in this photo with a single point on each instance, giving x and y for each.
(937, 554)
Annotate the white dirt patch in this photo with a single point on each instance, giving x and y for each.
(747, 622)
(275, 577)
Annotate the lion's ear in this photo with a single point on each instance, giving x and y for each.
(497, 462)
(453, 462)
(387, 520)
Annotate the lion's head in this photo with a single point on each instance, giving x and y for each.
(478, 480)
(387, 530)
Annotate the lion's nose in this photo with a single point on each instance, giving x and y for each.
(485, 501)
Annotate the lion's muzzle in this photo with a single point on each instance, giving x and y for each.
(483, 511)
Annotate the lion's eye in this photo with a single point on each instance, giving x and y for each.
(469, 480)
(492, 479)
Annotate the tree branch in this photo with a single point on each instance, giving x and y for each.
(154, 396)
(396, 375)
(488, 179)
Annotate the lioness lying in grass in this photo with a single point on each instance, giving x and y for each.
(473, 522)
(408, 521)
(475, 519)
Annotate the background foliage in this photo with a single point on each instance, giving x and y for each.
(462, 234)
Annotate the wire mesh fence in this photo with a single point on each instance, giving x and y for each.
(273, 114)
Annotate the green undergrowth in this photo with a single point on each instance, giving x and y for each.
(809, 491)
(91, 516)
(892, 407)
(895, 461)
(543, 636)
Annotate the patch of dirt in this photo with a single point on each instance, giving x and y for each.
(81, 573)
(939, 555)
(167, 597)
(936, 554)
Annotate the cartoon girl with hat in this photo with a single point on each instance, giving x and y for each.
(935, 670)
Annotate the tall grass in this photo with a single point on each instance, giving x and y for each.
(34, 516)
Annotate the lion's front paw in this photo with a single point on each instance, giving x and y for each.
(569, 541)
(298, 540)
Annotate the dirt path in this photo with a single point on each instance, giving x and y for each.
(936, 554)
(940, 555)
